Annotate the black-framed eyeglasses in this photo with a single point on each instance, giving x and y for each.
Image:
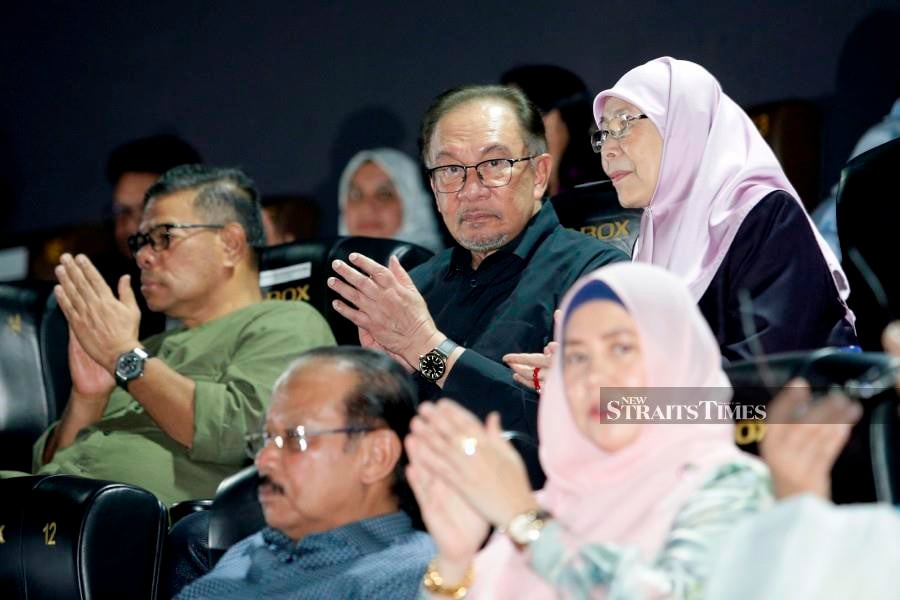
(493, 172)
(616, 128)
(159, 236)
(295, 440)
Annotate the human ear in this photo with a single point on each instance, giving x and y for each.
(381, 452)
(234, 242)
(543, 165)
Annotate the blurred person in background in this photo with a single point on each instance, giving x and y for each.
(289, 218)
(381, 194)
(565, 105)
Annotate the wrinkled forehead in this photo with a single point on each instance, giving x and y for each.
(477, 127)
(315, 392)
(172, 208)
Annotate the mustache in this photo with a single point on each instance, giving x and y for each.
(466, 214)
(265, 480)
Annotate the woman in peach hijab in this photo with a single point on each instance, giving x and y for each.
(632, 507)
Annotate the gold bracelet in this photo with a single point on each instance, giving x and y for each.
(434, 583)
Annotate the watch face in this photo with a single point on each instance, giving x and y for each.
(129, 366)
(432, 366)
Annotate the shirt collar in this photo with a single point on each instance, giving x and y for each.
(522, 246)
(353, 539)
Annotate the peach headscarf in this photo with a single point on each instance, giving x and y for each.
(715, 169)
(632, 496)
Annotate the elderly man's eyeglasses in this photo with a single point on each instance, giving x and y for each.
(494, 172)
(159, 236)
(616, 128)
(295, 440)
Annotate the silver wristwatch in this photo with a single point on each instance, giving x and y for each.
(130, 366)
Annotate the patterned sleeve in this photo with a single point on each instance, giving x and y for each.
(682, 566)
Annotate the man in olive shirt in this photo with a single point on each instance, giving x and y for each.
(187, 397)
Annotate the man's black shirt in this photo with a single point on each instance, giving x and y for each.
(504, 306)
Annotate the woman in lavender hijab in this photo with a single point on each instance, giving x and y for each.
(719, 211)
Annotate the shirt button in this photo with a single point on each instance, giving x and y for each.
(473, 283)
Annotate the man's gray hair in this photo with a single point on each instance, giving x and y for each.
(223, 195)
(531, 124)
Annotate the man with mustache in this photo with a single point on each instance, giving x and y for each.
(338, 509)
(453, 318)
(169, 413)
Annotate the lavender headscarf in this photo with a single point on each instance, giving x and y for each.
(715, 168)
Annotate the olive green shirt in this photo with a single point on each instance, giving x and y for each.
(234, 361)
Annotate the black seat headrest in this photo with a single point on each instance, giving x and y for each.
(868, 208)
(25, 411)
(85, 538)
(235, 513)
(594, 209)
(866, 376)
(300, 272)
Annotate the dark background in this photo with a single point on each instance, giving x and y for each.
(289, 90)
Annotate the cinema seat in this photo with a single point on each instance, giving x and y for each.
(868, 210)
(24, 408)
(79, 539)
(196, 543)
(13, 492)
(296, 272)
(235, 513)
(379, 250)
(300, 272)
(54, 343)
(594, 209)
(859, 467)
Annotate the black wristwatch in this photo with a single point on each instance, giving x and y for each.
(433, 365)
(130, 366)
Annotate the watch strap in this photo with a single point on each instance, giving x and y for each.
(447, 347)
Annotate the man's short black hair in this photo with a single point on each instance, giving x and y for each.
(223, 195)
(531, 124)
(384, 395)
(155, 154)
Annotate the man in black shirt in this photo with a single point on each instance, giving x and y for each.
(453, 318)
